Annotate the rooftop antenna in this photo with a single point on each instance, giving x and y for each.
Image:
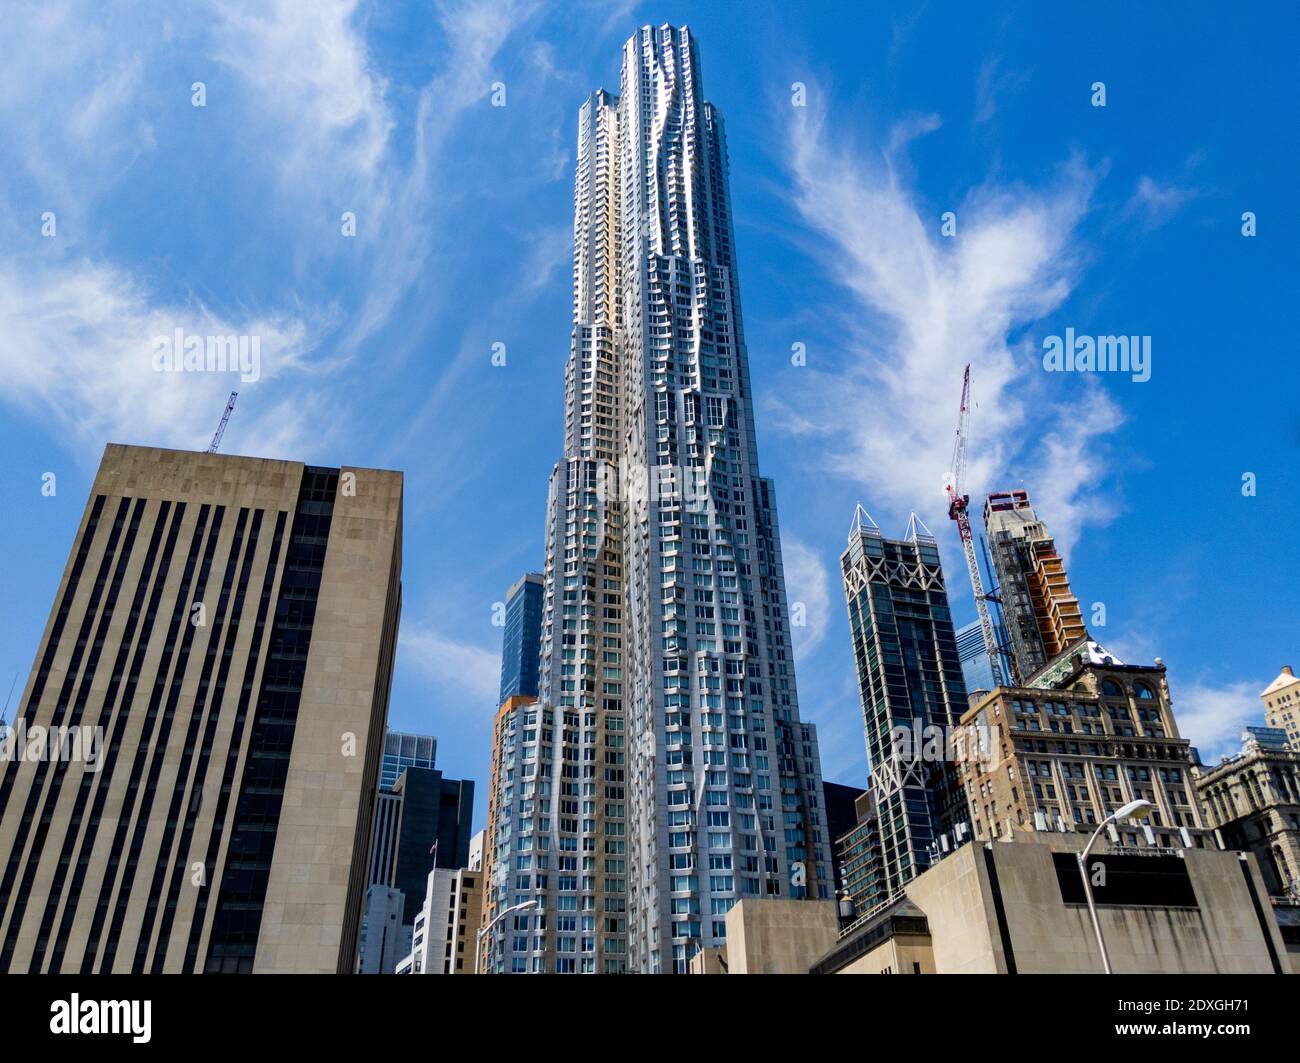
(225, 419)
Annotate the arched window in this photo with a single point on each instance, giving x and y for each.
(1111, 689)
(1143, 691)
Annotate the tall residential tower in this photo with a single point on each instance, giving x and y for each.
(666, 772)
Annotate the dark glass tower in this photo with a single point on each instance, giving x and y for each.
(912, 694)
(523, 636)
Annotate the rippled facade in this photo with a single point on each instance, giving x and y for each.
(664, 773)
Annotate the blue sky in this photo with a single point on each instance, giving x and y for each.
(377, 349)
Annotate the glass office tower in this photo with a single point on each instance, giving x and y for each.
(912, 693)
(520, 644)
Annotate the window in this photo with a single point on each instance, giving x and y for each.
(1143, 691)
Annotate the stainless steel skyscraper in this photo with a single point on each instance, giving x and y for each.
(667, 773)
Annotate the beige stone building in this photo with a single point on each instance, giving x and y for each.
(447, 926)
(1017, 907)
(1064, 755)
(1253, 799)
(226, 626)
(1281, 700)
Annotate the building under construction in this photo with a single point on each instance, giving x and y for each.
(1041, 613)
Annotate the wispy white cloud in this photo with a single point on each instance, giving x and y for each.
(462, 672)
(1211, 716)
(78, 102)
(922, 307)
(406, 217)
(550, 249)
(319, 98)
(76, 349)
(993, 85)
(1155, 202)
(808, 591)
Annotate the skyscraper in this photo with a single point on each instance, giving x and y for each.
(522, 639)
(976, 664)
(667, 772)
(1041, 613)
(402, 751)
(912, 693)
(228, 625)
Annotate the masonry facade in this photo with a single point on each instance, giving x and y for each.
(1062, 757)
(228, 624)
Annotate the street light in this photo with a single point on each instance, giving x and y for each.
(1129, 811)
(483, 930)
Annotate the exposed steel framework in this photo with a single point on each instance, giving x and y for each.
(958, 504)
(225, 419)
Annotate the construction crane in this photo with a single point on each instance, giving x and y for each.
(225, 419)
(958, 503)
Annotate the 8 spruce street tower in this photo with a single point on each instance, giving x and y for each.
(664, 772)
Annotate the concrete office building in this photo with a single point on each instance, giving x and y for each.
(1019, 908)
(684, 778)
(1062, 756)
(522, 639)
(229, 625)
(447, 924)
(1252, 799)
(384, 940)
(912, 694)
(1041, 613)
(1281, 700)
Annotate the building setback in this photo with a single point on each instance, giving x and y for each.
(912, 694)
(668, 773)
(229, 624)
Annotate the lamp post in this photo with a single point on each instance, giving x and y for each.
(484, 930)
(1133, 808)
